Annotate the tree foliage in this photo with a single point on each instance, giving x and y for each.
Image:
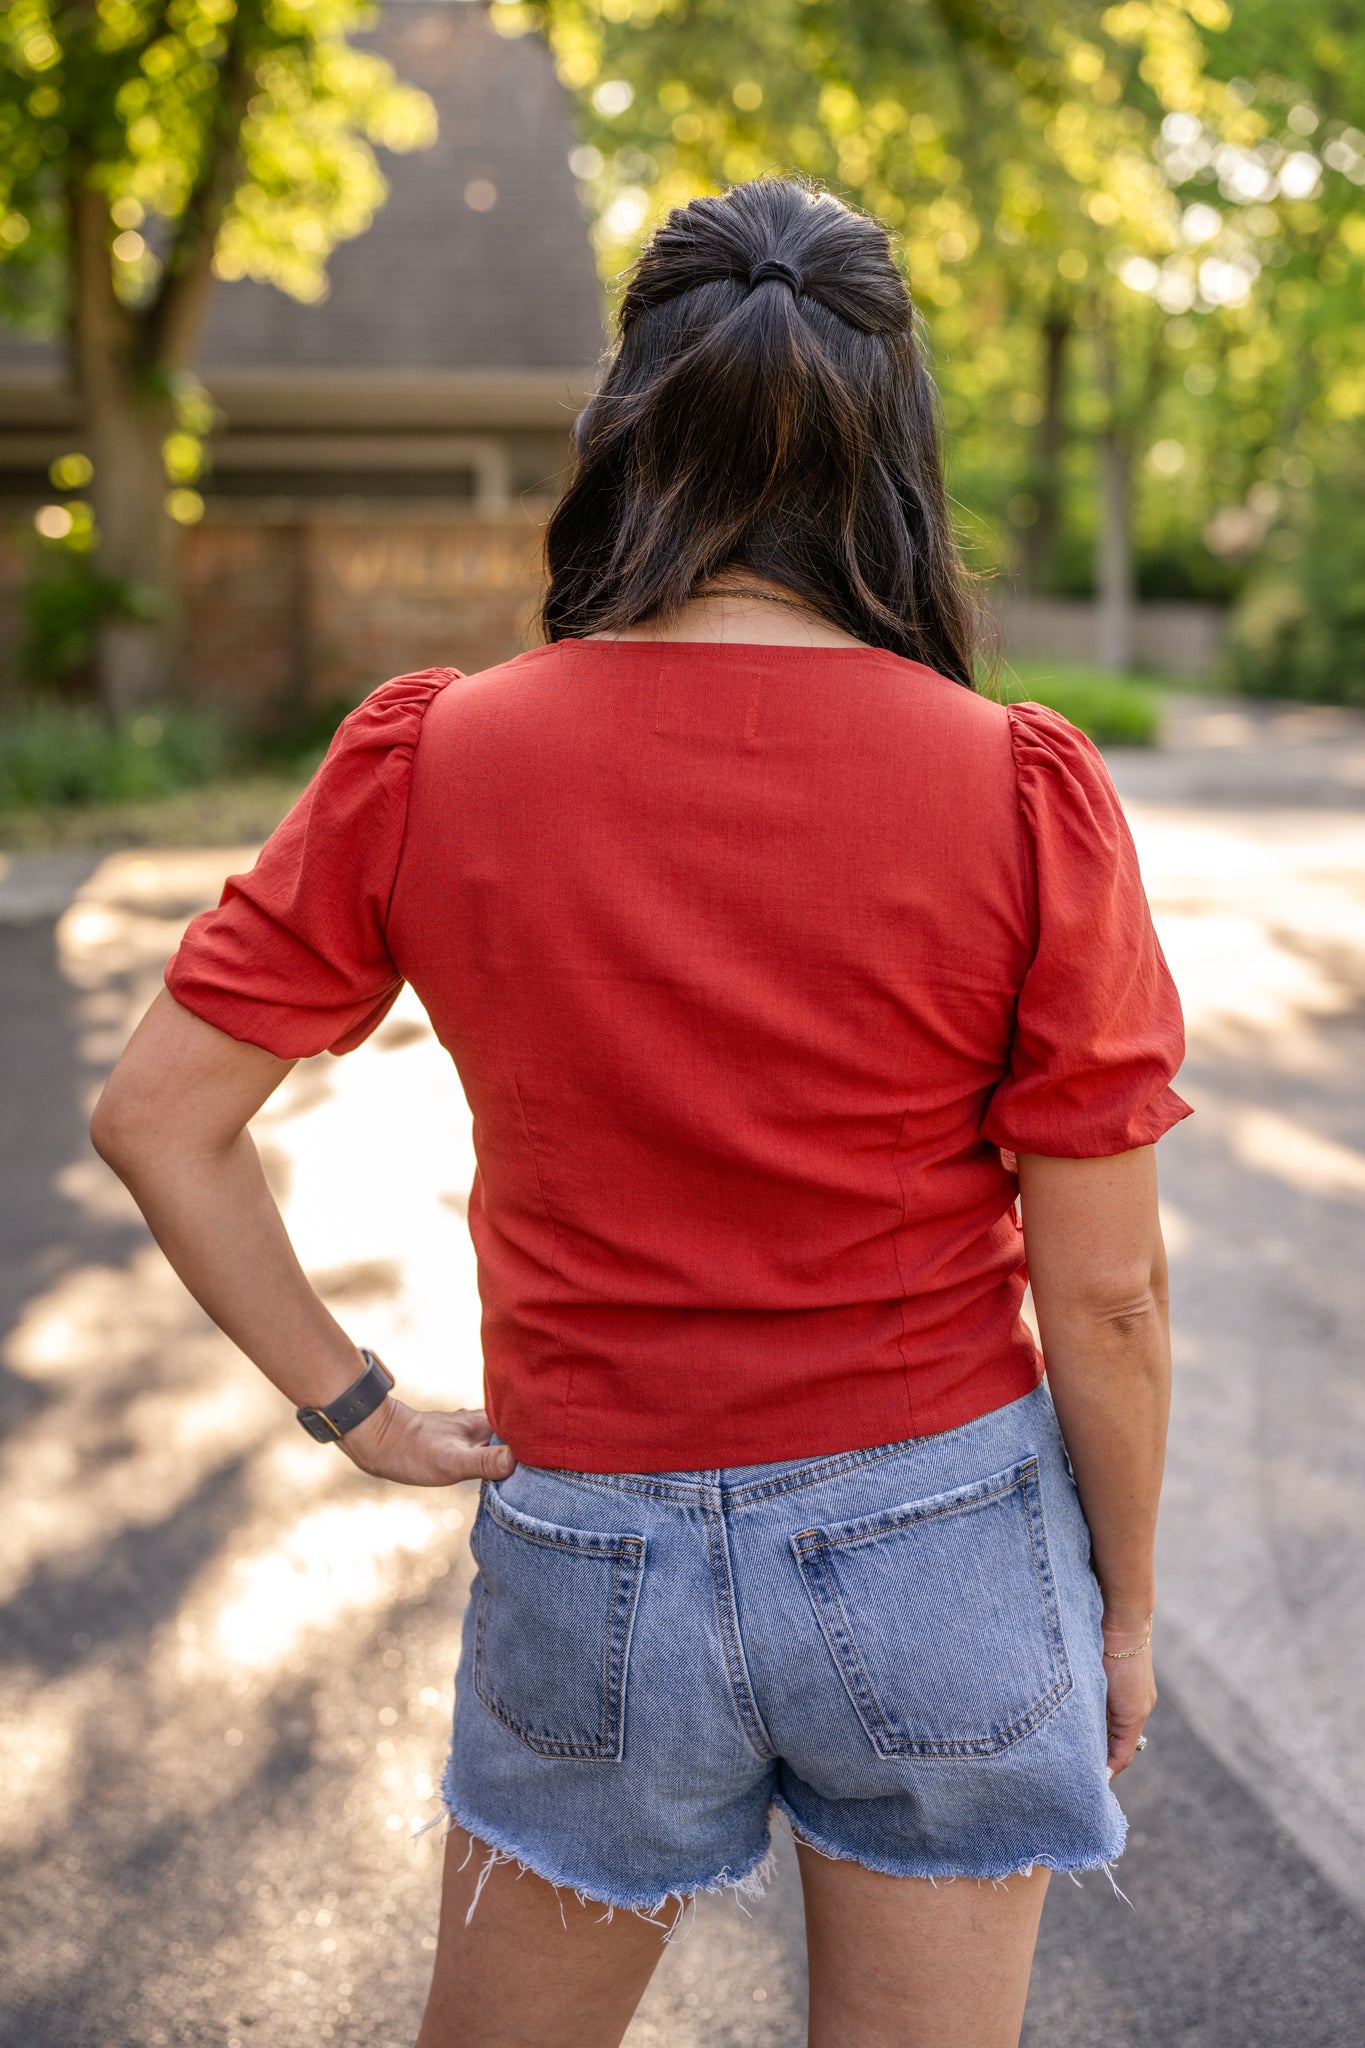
(232, 131)
(146, 145)
(1171, 186)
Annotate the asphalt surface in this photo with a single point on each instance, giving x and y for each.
(225, 1657)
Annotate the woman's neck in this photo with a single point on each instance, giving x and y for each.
(756, 613)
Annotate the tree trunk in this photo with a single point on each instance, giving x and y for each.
(135, 651)
(1038, 555)
(1116, 596)
(125, 360)
(126, 412)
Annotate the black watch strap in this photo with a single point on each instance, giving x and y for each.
(331, 1423)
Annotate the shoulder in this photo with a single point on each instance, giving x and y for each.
(1042, 738)
(461, 699)
(391, 716)
(952, 708)
(373, 747)
(1067, 799)
(1055, 762)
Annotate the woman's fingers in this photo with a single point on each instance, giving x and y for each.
(465, 1446)
(422, 1447)
(481, 1458)
(495, 1462)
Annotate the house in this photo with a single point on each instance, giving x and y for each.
(385, 458)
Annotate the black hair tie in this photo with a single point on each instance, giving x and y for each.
(773, 269)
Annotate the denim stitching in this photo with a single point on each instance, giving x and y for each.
(606, 1741)
(735, 1670)
(625, 1595)
(620, 1628)
(687, 1493)
(1047, 1583)
(589, 1541)
(873, 1711)
(815, 1474)
(891, 1519)
(811, 1544)
(612, 1674)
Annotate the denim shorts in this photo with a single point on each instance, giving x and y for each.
(897, 1648)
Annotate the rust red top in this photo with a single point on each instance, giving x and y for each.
(751, 959)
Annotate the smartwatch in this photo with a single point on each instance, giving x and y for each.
(330, 1424)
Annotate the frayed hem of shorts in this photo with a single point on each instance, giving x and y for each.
(936, 1874)
(668, 1911)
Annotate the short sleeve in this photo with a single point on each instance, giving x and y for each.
(295, 956)
(1098, 1032)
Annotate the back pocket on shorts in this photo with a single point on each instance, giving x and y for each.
(553, 1613)
(941, 1617)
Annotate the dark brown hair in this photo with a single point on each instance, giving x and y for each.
(782, 423)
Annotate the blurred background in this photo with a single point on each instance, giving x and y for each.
(298, 300)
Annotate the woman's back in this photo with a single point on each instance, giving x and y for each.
(754, 958)
(727, 942)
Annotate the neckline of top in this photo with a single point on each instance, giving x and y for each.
(712, 647)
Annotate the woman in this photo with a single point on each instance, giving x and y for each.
(775, 963)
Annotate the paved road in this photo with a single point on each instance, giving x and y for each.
(225, 1658)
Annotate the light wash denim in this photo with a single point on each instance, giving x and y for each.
(898, 1648)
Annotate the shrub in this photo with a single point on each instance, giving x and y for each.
(1299, 630)
(64, 603)
(55, 754)
(1110, 710)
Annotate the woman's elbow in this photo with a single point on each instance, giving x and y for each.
(117, 1131)
(130, 1123)
(1133, 1319)
(1124, 1304)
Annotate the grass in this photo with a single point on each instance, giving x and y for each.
(238, 810)
(1111, 710)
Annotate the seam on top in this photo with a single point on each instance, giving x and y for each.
(900, 1276)
(1025, 841)
(451, 675)
(555, 1273)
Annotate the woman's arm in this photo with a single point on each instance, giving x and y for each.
(172, 1123)
(1097, 1267)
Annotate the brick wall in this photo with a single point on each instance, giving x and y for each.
(284, 612)
(288, 611)
(323, 606)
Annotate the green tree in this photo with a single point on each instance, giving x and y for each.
(1098, 212)
(1011, 149)
(145, 146)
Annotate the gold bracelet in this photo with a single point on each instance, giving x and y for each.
(1145, 1644)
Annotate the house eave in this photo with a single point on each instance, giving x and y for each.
(490, 399)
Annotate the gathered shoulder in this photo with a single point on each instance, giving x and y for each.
(1060, 773)
(391, 716)
(1042, 737)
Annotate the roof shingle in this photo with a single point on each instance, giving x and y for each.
(435, 284)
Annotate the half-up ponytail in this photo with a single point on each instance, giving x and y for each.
(766, 409)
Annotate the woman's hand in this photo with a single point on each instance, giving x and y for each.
(1132, 1690)
(419, 1447)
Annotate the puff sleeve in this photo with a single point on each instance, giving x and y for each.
(1098, 1031)
(295, 956)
